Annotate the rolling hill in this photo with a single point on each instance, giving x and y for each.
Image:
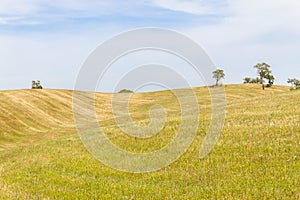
(257, 156)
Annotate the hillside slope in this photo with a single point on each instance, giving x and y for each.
(27, 115)
(257, 156)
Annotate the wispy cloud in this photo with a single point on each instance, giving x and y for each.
(193, 6)
(254, 31)
(189, 6)
(3, 21)
(250, 20)
(18, 20)
(46, 11)
(236, 33)
(30, 7)
(52, 10)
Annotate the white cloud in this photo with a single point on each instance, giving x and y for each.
(16, 7)
(3, 21)
(250, 20)
(254, 31)
(33, 11)
(83, 8)
(188, 6)
(17, 20)
(246, 31)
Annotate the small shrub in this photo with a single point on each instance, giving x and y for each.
(125, 91)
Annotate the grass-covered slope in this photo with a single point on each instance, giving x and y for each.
(27, 115)
(256, 157)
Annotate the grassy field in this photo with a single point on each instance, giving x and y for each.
(256, 157)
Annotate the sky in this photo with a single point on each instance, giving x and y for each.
(49, 40)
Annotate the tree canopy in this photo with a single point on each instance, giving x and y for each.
(294, 82)
(36, 85)
(264, 72)
(218, 75)
(249, 80)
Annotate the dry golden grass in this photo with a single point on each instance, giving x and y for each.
(257, 156)
(27, 115)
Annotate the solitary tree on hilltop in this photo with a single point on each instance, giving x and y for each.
(264, 72)
(218, 75)
(36, 85)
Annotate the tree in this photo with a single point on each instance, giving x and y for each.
(264, 72)
(36, 85)
(218, 75)
(247, 80)
(256, 80)
(294, 82)
(270, 79)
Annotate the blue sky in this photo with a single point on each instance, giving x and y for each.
(49, 39)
